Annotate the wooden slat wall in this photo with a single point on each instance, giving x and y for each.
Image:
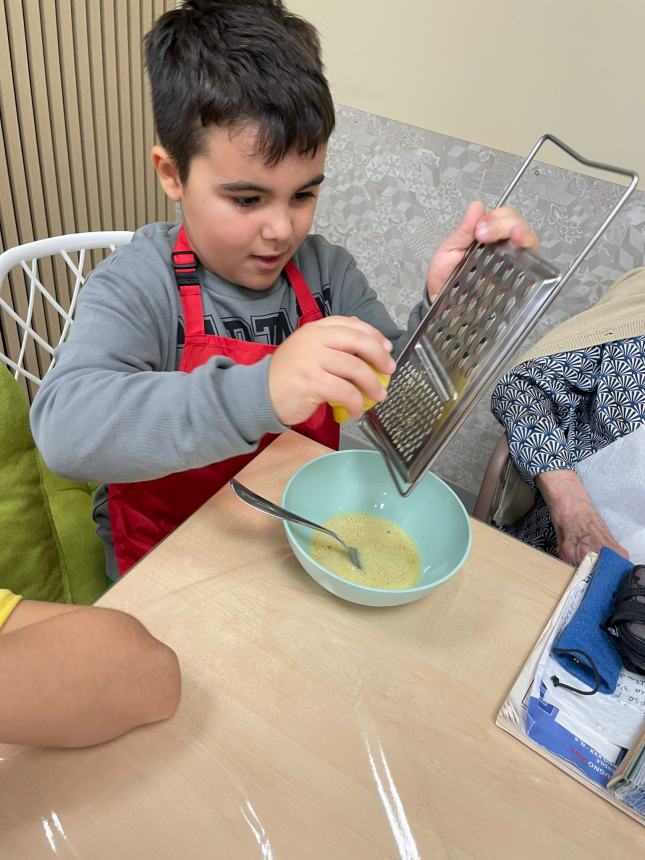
(75, 130)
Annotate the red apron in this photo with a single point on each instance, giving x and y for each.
(142, 513)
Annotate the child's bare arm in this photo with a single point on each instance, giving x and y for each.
(80, 676)
(32, 611)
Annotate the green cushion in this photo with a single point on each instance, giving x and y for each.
(48, 546)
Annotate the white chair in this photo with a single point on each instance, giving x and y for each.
(35, 319)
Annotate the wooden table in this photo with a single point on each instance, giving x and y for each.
(314, 728)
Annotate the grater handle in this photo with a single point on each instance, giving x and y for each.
(597, 165)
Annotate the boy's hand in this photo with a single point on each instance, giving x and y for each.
(504, 223)
(328, 361)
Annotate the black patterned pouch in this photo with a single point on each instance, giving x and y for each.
(627, 622)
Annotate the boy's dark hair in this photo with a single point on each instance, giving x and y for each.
(233, 63)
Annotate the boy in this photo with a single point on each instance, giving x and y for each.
(62, 687)
(254, 325)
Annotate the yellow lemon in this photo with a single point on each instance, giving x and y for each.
(340, 413)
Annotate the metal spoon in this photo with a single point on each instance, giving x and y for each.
(268, 507)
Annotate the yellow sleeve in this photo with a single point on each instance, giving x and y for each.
(8, 602)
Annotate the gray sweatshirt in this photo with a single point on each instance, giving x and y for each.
(106, 413)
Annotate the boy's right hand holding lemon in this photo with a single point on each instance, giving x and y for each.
(334, 360)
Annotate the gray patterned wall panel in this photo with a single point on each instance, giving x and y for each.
(394, 191)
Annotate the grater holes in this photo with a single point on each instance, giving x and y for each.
(490, 286)
(470, 277)
(526, 288)
(463, 334)
(499, 297)
(411, 408)
(446, 344)
(481, 310)
(490, 322)
(463, 362)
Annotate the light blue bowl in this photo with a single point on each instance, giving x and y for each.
(358, 482)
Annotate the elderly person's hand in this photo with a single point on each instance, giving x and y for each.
(579, 528)
(502, 223)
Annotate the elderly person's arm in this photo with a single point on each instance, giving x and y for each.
(76, 676)
(536, 403)
(578, 526)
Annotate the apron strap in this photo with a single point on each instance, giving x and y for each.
(304, 297)
(184, 261)
(184, 265)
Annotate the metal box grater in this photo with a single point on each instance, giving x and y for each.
(489, 303)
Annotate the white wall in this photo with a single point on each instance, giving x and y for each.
(498, 73)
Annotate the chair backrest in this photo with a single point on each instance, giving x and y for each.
(493, 481)
(504, 497)
(34, 318)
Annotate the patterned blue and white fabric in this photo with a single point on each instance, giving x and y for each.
(559, 409)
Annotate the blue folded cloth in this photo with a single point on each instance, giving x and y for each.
(584, 643)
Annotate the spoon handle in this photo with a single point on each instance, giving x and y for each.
(273, 510)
